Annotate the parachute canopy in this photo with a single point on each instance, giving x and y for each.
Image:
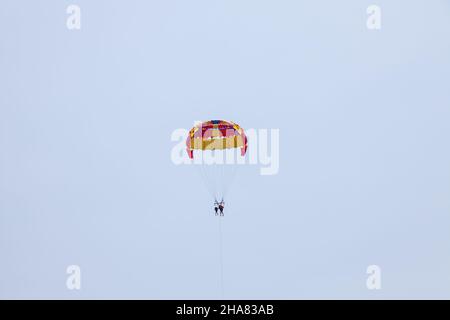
(216, 134)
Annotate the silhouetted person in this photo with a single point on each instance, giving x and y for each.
(221, 207)
(216, 207)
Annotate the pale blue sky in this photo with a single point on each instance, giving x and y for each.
(85, 170)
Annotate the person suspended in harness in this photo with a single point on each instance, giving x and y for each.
(216, 206)
(221, 207)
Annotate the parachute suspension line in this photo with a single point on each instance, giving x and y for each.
(231, 175)
(222, 179)
(208, 183)
(222, 291)
(218, 177)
